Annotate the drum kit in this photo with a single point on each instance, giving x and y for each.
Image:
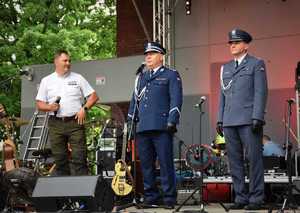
(215, 162)
(16, 182)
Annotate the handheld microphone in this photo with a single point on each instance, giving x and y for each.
(202, 100)
(57, 102)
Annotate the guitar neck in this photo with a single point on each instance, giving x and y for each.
(124, 143)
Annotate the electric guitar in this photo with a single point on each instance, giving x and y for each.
(120, 184)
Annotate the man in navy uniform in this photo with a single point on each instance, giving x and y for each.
(242, 104)
(157, 99)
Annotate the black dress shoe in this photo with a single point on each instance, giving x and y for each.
(237, 206)
(253, 206)
(168, 206)
(148, 205)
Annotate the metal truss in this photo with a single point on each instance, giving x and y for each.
(162, 26)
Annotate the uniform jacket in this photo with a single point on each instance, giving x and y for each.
(159, 99)
(243, 94)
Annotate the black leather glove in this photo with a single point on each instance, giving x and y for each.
(171, 128)
(219, 129)
(257, 126)
(130, 133)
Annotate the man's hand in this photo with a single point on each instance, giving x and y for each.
(219, 129)
(80, 116)
(130, 133)
(171, 128)
(257, 126)
(54, 107)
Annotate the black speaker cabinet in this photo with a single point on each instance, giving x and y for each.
(60, 193)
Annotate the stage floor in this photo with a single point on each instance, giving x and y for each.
(210, 208)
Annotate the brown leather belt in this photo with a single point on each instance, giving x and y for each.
(63, 119)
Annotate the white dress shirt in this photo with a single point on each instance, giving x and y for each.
(155, 70)
(71, 87)
(240, 59)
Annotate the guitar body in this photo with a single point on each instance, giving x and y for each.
(120, 184)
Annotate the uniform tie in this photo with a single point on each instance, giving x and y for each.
(236, 64)
(151, 73)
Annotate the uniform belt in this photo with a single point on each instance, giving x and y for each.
(64, 119)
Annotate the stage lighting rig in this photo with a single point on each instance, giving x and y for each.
(188, 7)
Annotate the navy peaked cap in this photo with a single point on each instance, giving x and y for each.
(239, 35)
(154, 47)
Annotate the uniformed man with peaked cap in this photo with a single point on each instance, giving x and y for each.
(242, 104)
(158, 99)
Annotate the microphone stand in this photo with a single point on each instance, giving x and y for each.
(200, 187)
(132, 136)
(181, 142)
(200, 184)
(289, 201)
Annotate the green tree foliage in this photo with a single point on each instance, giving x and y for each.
(33, 30)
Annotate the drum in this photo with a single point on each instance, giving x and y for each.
(19, 184)
(219, 165)
(217, 192)
(3, 192)
(193, 156)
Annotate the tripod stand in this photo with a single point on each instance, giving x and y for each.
(200, 184)
(289, 201)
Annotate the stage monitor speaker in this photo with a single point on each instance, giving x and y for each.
(61, 193)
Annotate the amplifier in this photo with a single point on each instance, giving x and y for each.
(274, 164)
(212, 192)
(106, 160)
